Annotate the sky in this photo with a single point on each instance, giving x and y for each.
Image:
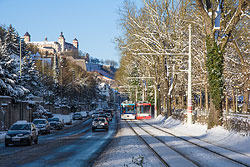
(95, 23)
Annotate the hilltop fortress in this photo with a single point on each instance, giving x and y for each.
(53, 47)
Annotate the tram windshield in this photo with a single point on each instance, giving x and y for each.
(144, 109)
(128, 109)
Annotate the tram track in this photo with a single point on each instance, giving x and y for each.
(141, 138)
(202, 141)
(195, 144)
(172, 158)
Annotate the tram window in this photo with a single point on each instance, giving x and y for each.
(144, 109)
(130, 109)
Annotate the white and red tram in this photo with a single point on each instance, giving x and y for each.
(143, 110)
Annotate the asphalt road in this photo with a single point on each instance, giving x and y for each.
(72, 146)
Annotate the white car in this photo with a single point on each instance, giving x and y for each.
(42, 125)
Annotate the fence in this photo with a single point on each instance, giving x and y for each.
(233, 122)
(10, 111)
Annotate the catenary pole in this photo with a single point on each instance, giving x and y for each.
(189, 54)
(189, 107)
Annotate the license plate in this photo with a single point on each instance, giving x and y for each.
(15, 139)
(99, 126)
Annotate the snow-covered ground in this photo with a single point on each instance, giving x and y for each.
(126, 150)
(217, 135)
(126, 146)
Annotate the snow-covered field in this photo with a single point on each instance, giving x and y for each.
(126, 146)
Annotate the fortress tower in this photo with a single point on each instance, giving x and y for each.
(75, 43)
(61, 41)
(26, 37)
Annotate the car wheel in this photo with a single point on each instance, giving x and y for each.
(36, 141)
(107, 129)
(93, 129)
(6, 145)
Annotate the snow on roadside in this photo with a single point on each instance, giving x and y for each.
(217, 135)
(65, 118)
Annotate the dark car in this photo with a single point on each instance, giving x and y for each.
(77, 116)
(95, 115)
(42, 125)
(109, 116)
(55, 123)
(100, 123)
(104, 116)
(111, 111)
(48, 114)
(21, 132)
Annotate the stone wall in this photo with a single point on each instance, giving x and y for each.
(10, 111)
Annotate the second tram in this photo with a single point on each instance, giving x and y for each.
(143, 110)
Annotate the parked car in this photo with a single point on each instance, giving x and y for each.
(21, 132)
(67, 120)
(42, 125)
(77, 116)
(56, 123)
(100, 123)
(48, 114)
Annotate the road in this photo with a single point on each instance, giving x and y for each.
(72, 146)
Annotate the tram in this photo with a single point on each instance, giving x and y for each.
(143, 110)
(128, 110)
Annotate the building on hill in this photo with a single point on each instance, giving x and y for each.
(53, 47)
(106, 71)
(61, 48)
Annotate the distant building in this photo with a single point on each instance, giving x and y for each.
(106, 71)
(53, 47)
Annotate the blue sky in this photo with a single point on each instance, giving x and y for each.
(93, 22)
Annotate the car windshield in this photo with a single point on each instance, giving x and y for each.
(39, 122)
(20, 127)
